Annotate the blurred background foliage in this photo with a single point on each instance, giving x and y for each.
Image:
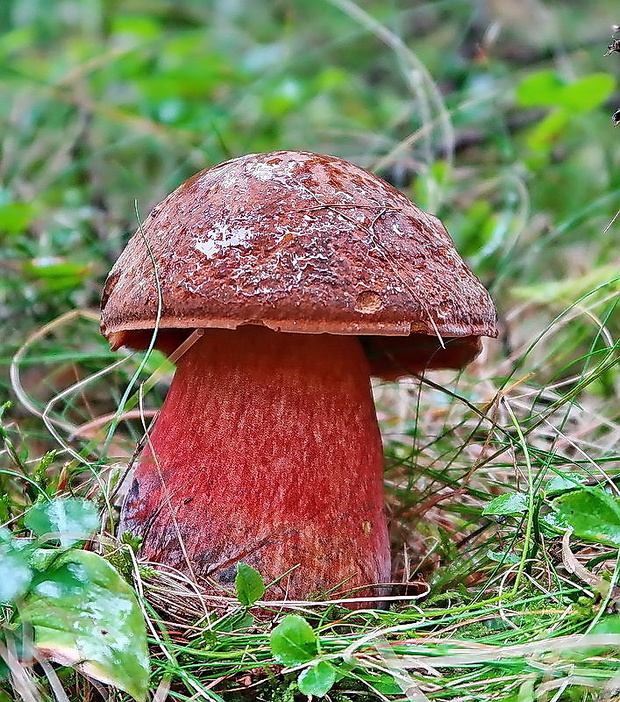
(494, 114)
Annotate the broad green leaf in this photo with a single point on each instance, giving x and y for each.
(71, 518)
(543, 136)
(551, 523)
(16, 576)
(509, 503)
(55, 268)
(588, 92)
(56, 274)
(16, 40)
(608, 625)
(540, 89)
(85, 615)
(15, 571)
(249, 585)
(15, 217)
(387, 685)
(293, 641)
(547, 89)
(318, 679)
(140, 26)
(563, 483)
(593, 514)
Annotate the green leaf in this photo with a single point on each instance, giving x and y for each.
(15, 571)
(293, 641)
(608, 625)
(16, 576)
(249, 585)
(540, 89)
(509, 503)
(502, 557)
(588, 92)
(543, 136)
(318, 679)
(85, 615)
(55, 274)
(547, 89)
(592, 513)
(71, 518)
(15, 217)
(552, 524)
(563, 483)
(55, 268)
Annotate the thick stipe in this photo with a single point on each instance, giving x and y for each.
(268, 453)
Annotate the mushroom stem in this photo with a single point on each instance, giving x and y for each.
(268, 453)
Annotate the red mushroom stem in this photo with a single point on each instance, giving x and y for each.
(267, 452)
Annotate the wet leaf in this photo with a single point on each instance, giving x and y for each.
(608, 625)
(502, 557)
(563, 483)
(510, 503)
(15, 571)
(86, 616)
(70, 518)
(551, 524)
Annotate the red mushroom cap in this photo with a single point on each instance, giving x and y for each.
(305, 243)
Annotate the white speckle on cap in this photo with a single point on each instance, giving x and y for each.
(238, 236)
(270, 171)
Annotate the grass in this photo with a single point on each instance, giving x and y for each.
(501, 481)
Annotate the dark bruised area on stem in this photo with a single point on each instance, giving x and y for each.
(268, 452)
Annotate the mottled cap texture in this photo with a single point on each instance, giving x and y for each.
(300, 242)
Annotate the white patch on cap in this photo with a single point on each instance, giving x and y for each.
(270, 171)
(239, 236)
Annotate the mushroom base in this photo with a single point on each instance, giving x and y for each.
(267, 452)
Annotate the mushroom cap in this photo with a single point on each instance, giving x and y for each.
(298, 242)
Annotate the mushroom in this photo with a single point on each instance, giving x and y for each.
(306, 275)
